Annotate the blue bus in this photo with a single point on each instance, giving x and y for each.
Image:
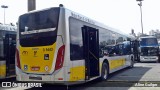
(148, 49)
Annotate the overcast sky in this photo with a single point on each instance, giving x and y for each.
(120, 14)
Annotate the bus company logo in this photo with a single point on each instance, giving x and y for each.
(35, 53)
(82, 18)
(24, 53)
(6, 84)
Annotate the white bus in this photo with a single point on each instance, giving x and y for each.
(7, 51)
(57, 44)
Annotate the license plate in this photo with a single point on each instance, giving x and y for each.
(35, 77)
(35, 68)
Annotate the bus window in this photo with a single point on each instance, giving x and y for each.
(39, 29)
(76, 44)
(127, 48)
(111, 50)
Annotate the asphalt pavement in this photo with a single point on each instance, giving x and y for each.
(143, 76)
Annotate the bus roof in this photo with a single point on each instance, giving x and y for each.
(148, 37)
(95, 22)
(99, 24)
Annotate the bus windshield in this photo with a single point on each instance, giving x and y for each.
(149, 51)
(148, 42)
(38, 28)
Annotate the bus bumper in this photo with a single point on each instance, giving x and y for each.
(21, 76)
(148, 58)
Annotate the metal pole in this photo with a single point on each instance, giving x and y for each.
(140, 5)
(141, 16)
(4, 15)
(31, 5)
(4, 7)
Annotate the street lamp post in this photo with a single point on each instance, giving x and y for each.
(140, 5)
(4, 7)
(31, 5)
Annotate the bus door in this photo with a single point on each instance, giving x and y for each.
(91, 51)
(9, 52)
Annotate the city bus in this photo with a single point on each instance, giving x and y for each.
(62, 46)
(148, 49)
(7, 51)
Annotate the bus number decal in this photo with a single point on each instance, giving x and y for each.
(47, 49)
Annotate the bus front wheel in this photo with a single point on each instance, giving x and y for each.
(105, 71)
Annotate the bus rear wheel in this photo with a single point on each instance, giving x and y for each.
(105, 71)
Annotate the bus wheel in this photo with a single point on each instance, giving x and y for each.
(105, 71)
(132, 62)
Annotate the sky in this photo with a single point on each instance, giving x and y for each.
(123, 15)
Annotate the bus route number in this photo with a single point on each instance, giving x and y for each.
(47, 49)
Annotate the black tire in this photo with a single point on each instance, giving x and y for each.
(132, 62)
(105, 71)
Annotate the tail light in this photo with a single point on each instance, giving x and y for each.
(17, 59)
(60, 58)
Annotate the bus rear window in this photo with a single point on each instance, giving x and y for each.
(39, 28)
(39, 20)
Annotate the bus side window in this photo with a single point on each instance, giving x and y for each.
(112, 50)
(127, 48)
(120, 49)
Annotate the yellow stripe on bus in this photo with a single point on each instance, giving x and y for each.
(77, 73)
(113, 64)
(2, 71)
